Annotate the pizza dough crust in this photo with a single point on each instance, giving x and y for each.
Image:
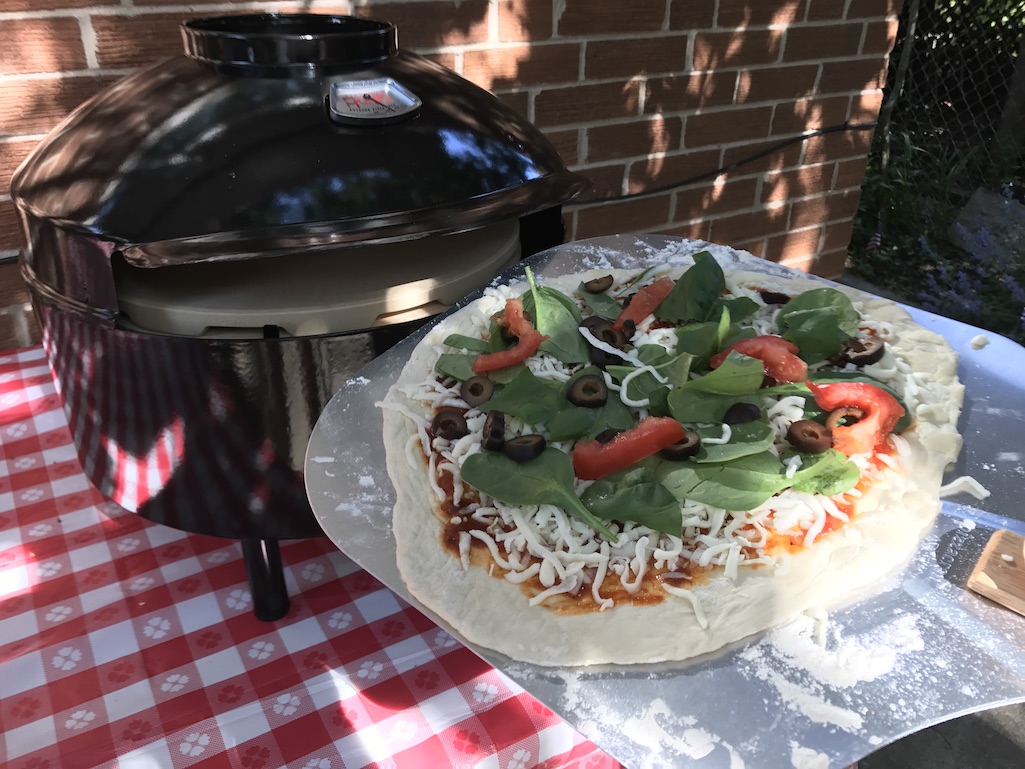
(892, 517)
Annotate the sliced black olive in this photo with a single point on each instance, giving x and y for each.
(524, 447)
(845, 415)
(493, 437)
(449, 423)
(599, 285)
(810, 437)
(773, 297)
(768, 381)
(863, 351)
(476, 390)
(607, 435)
(601, 358)
(589, 391)
(687, 447)
(740, 413)
(603, 330)
(629, 327)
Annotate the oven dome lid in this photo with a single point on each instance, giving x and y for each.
(281, 132)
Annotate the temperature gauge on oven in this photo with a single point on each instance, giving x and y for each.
(371, 102)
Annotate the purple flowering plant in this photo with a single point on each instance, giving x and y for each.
(982, 282)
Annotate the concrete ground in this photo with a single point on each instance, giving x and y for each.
(993, 739)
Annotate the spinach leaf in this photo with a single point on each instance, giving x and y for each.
(653, 355)
(557, 317)
(572, 422)
(740, 308)
(738, 375)
(675, 369)
(602, 305)
(736, 333)
(701, 340)
(689, 406)
(828, 473)
(696, 293)
(723, 327)
(745, 439)
(527, 397)
(496, 342)
(456, 365)
(547, 479)
(818, 322)
(581, 422)
(741, 484)
(635, 495)
(614, 415)
(658, 402)
(471, 343)
(641, 386)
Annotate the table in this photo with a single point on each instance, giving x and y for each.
(127, 643)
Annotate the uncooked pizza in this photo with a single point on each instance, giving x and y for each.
(630, 466)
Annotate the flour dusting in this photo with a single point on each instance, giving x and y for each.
(806, 758)
(844, 662)
(812, 706)
(663, 734)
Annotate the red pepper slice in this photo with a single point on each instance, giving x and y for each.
(644, 302)
(882, 412)
(528, 339)
(593, 460)
(777, 355)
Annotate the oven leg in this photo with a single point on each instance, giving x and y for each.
(266, 578)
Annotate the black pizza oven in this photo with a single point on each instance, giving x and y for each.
(214, 243)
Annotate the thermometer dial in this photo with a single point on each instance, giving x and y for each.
(371, 102)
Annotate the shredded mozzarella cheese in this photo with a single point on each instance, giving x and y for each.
(565, 555)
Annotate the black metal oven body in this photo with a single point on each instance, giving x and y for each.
(273, 137)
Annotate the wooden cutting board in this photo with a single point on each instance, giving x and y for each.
(1000, 573)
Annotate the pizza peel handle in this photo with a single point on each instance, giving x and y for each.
(1000, 573)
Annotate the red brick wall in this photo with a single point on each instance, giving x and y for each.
(636, 95)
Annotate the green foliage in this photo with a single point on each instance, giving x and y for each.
(913, 203)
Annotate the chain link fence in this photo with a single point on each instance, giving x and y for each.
(942, 217)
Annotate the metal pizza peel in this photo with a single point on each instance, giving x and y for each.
(822, 690)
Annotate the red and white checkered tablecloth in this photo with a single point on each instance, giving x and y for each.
(126, 643)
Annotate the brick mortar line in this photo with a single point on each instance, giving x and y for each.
(751, 209)
(734, 173)
(583, 40)
(70, 74)
(136, 10)
(634, 120)
(811, 133)
(485, 47)
(646, 76)
(12, 138)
